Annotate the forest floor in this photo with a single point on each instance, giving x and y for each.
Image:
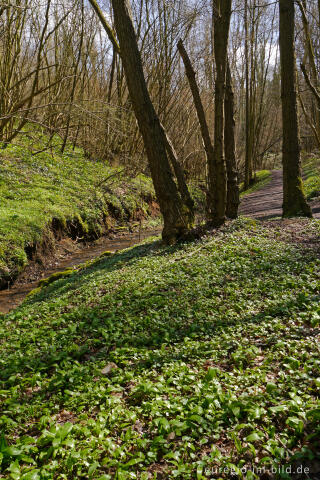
(197, 361)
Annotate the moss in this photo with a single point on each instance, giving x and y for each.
(33, 292)
(121, 229)
(56, 276)
(107, 253)
(61, 193)
(311, 170)
(262, 178)
(297, 207)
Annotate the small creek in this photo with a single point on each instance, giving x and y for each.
(13, 296)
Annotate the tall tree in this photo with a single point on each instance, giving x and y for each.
(233, 199)
(294, 200)
(206, 138)
(248, 157)
(221, 37)
(312, 78)
(178, 217)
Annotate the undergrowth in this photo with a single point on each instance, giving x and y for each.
(168, 363)
(311, 169)
(262, 178)
(42, 192)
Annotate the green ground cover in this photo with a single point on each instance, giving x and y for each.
(168, 362)
(82, 196)
(262, 178)
(311, 169)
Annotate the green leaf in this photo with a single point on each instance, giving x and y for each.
(279, 408)
(3, 443)
(135, 460)
(34, 475)
(314, 414)
(14, 467)
(65, 430)
(210, 375)
(254, 437)
(271, 387)
(93, 468)
(295, 423)
(195, 418)
(292, 362)
(13, 452)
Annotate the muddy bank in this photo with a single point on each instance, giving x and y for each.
(67, 255)
(16, 258)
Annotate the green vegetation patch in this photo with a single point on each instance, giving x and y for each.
(50, 191)
(311, 170)
(262, 178)
(168, 363)
(55, 276)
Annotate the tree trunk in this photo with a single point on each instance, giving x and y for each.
(178, 217)
(312, 81)
(75, 81)
(248, 174)
(233, 199)
(221, 36)
(294, 201)
(105, 25)
(203, 123)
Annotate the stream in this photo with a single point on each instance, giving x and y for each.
(12, 297)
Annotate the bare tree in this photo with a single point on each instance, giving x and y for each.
(294, 201)
(178, 217)
(191, 75)
(233, 198)
(221, 37)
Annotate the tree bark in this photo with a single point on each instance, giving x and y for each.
(221, 36)
(105, 25)
(248, 158)
(294, 201)
(178, 217)
(312, 80)
(233, 198)
(208, 146)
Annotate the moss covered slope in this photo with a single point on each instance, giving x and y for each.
(311, 170)
(52, 193)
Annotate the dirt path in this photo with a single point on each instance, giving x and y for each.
(267, 202)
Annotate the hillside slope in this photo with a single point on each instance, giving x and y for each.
(47, 195)
(163, 363)
(311, 169)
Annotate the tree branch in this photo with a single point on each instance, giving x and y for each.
(105, 25)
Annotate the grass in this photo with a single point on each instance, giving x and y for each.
(262, 178)
(35, 189)
(311, 169)
(168, 363)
